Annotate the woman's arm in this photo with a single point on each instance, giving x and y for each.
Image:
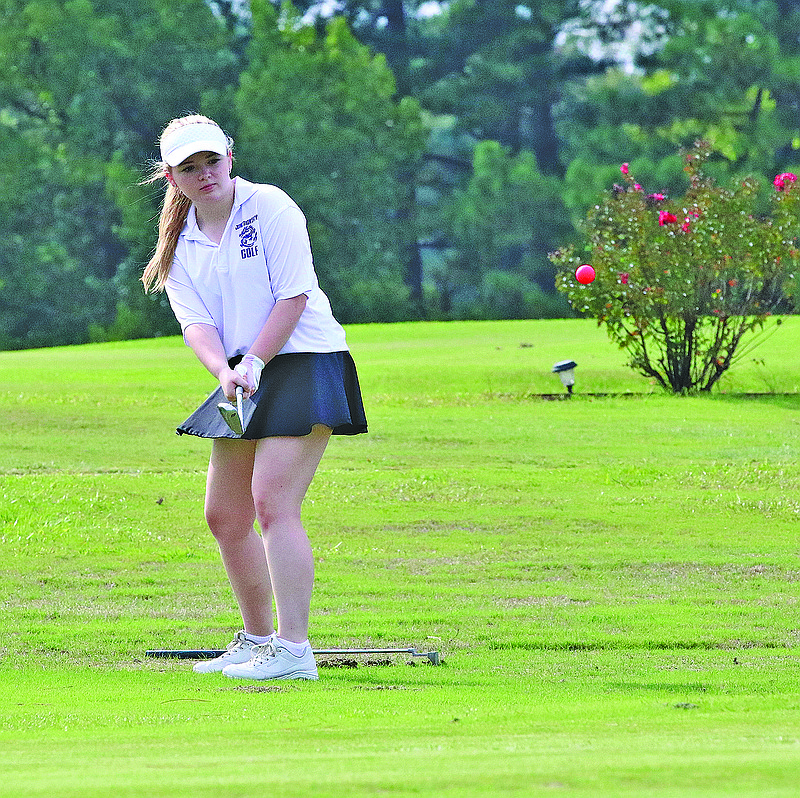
(279, 326)
(274, 334)
(205, 342)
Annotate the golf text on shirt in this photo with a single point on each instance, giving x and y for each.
(248, 237)
(264, 256)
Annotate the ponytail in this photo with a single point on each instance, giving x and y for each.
(170, 223)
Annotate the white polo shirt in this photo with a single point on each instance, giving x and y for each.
(264, 256)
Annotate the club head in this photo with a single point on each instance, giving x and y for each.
(232, 415)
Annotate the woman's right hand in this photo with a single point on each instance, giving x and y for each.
(228, 380)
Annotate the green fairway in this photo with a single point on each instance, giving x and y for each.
(612, 581)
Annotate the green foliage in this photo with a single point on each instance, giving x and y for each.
(333, 110)
(502, 221)
(680, 282)
(480, 64)
(317, 116)
(723, 75)
(86, 88)
(48, 291)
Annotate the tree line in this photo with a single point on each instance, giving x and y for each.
(439, 150)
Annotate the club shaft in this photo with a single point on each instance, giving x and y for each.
(239, 408)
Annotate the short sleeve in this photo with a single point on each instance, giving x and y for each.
(288, 254)
(186, 303)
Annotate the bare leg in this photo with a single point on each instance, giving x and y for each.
(282, 472)
(230, 514)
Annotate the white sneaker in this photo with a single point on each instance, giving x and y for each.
(273, 661)
(238, 651)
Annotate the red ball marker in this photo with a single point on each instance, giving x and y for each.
(584, 274)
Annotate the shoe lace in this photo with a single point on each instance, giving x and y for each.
(263, 652)
(239, 642)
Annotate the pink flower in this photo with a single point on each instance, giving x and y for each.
(781, 180)
(665, 217)
(624, 169)
(637, 187)
(623, 278)
(687, 222)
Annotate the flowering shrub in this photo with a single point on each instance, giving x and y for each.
(680, 282)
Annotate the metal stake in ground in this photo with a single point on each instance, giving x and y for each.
(432, 656)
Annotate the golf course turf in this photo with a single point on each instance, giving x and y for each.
(611, 580)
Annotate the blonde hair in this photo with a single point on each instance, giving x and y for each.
(174, 211)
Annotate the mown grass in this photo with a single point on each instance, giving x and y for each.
(613, 581)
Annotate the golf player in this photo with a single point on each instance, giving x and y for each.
(235, 260)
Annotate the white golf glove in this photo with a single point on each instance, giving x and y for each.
(250, 368)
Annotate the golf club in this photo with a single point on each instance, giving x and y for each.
(233, 416)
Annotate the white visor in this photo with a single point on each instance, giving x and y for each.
(187, 140)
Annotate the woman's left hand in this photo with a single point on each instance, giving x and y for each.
(250, 368)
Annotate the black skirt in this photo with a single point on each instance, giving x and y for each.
(297, 391)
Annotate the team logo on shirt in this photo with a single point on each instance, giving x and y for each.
(248, 237)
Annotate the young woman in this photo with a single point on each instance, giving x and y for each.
(235, 260)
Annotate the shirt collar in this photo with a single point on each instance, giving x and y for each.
(242, 191)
